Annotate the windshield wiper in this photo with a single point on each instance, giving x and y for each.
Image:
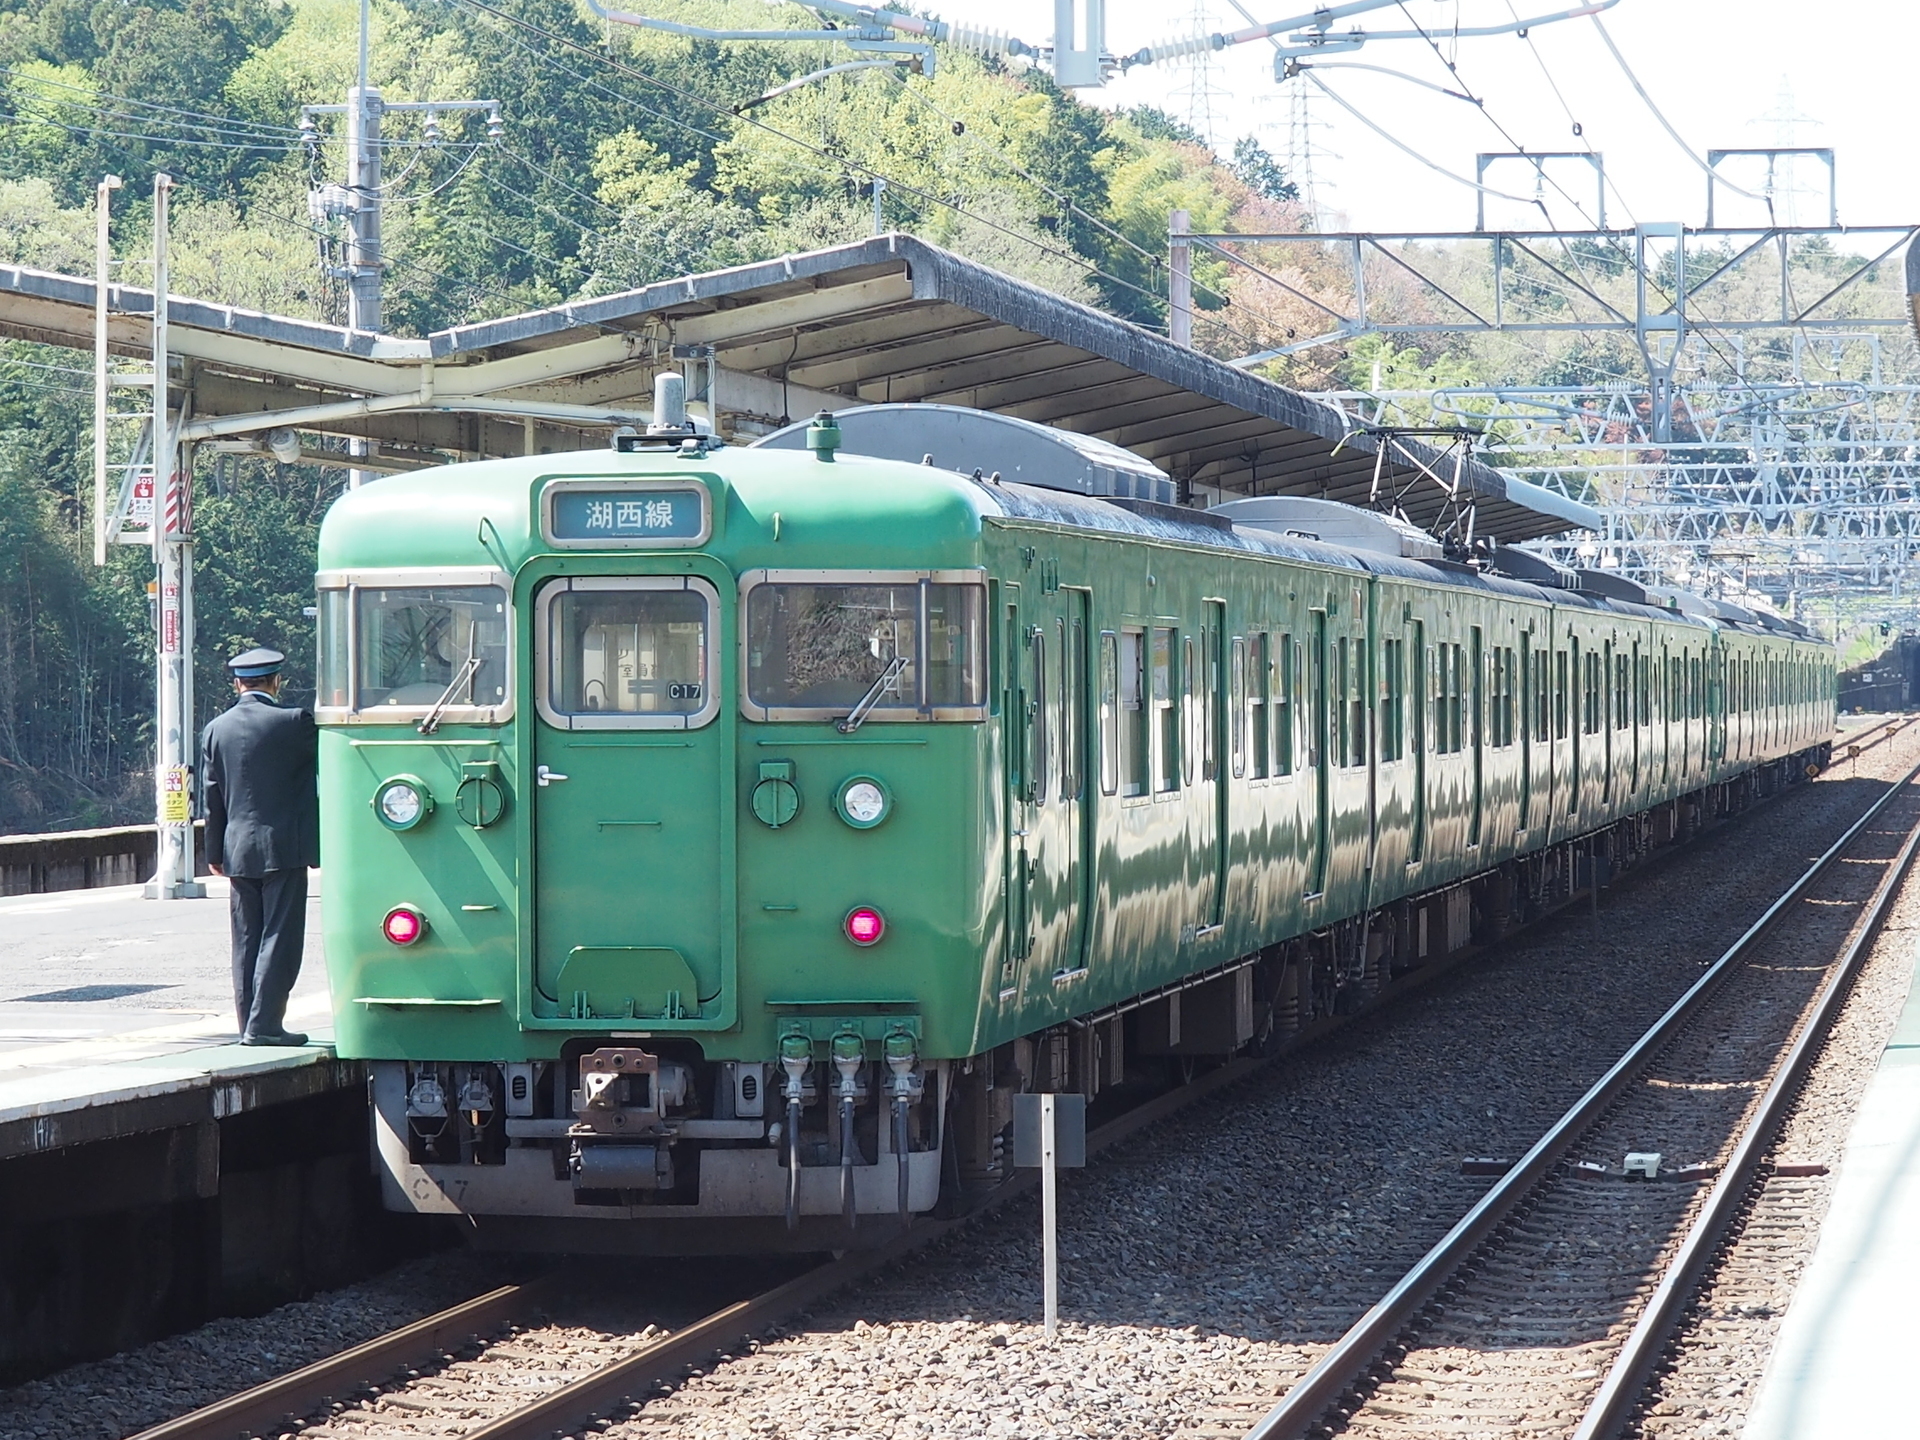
(858, 715)
(469, 668)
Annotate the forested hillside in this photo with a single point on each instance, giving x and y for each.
(625, 157)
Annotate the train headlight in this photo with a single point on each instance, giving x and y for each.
(862, 802)
(402, 802)
(865, 925)
(403, 925)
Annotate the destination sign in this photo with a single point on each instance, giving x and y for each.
(624, 515)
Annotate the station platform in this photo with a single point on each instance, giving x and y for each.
(114, 1009)
(1853, 1328)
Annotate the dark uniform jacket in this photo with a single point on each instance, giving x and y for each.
(258, 767)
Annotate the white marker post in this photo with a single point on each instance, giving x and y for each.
(1049, 1134)
(1050, 1213)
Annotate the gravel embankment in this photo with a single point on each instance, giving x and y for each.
(1207, 1263)
(1204, 1263)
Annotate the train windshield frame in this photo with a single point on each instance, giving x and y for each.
(816, 644)
(627, 652)
(394, 644)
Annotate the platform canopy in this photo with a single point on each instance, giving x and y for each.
(886, 319)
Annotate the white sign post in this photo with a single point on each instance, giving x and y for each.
(1049, 1133)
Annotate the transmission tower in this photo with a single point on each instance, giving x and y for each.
(1203, 99)
(1303, 150)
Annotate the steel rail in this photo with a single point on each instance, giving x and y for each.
(299, 1392)
(1357, 1351)
(667, 1357)
(1644, 1346)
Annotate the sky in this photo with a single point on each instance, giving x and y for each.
(1726, 74)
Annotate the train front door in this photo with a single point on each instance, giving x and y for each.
(632, 789)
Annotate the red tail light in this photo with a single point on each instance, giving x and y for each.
(403, 925)
(865, 925)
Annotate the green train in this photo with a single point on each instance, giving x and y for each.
(718, 838)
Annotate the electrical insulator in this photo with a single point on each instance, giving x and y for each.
(496, 127)
(430, 131)
(984, 42)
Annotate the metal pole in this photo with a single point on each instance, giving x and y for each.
(1049, 1215)
(102, 268)
(363, 218)
(1179, 279)
(173, 791)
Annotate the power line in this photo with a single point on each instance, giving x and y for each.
(94, 130)
(230, 123)
(1667, 125)
(838, 165)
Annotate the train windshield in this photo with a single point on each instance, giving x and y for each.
(822, 648)
(415, 644)
(628, 652)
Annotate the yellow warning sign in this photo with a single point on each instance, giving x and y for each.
(176, 800)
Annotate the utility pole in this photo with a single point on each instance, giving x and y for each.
(173, 556)
(358, 202)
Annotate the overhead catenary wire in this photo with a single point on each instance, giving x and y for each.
(836, 165)
(1666, 124)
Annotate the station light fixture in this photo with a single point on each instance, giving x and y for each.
(404, 924)
(865, 925)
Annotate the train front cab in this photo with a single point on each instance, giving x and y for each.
(658, 897)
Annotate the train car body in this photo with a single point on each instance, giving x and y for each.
(716, 839)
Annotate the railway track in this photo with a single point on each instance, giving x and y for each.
(532, 1383)
(1548, 1305)
(470, 1372)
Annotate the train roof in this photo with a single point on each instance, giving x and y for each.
(483, 513)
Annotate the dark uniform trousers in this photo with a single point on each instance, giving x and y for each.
(257, 765)
(269, 917)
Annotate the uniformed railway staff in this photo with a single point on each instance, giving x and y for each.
(258, 767)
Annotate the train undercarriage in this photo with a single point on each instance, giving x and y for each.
(816, 1151)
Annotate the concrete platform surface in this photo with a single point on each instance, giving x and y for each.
(98, 981)
(1847, 1347)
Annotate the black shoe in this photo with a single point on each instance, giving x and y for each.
(281, 1039)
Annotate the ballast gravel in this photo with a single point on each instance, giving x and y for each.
(1205, 1262)
(126, 1393)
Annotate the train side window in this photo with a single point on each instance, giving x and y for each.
(1443, 658)
(1559, 694)
(1192, 708)
(1337, 713)
(1283, 706)
(1543, 696)
(1316, 688)
(1109, 713)
(1135, 753)
(1458, 717)
(1166, 711)
(1073, 708)
(1039, 707)
(1237, 704)
(1391, 699)
(1259, 740)
(1358, 728)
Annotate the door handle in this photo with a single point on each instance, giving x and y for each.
(544, 777)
